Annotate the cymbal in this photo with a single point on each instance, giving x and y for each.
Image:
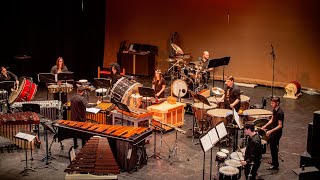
(176, 48)
(217, 91)
(170, 60)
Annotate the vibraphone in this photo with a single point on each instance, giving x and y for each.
(12, 124)
(95, 161)
(101, 117)
(127, 142)
(48, 109)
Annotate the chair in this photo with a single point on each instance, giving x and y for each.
(72, 154)
(107, 71)
(260, 106)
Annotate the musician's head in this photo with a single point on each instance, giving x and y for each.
(205, 55)
(81, 90)
(3, 70)
(230, 81)
(115, 68)
(275, 102)
(60, 62)
(249, 129)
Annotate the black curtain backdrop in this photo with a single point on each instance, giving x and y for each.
(45, 30)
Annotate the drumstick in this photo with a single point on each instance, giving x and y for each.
(239, 149)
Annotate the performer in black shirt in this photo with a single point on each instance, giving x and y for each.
(275, 133)
(8, 76)
(78, 108)
(59, 67)
(203, 67)
(253, 154)
(158, 84)
(115, 73)
(231, 95)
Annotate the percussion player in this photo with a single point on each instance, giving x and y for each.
(231, 95)
(115, 73)
(158, 84)
(56, 69)
(78, 109)
(8, 76)
(253, 153)
(203, 66)
(276, 123)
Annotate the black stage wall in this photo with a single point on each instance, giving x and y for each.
(45, 30)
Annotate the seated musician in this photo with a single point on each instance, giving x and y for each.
(78, 105)
(231, 95)
(8, 76)
(203, 67)
(56, 69)
(158, 84)
(115, 73)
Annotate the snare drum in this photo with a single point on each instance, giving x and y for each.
(221, 157)
(218, 115)
(122, 90)
(213, 99)
(245, 102)
(254, 114)
(235, 164)
(25, 92)
(237, 156)
(228, 173)
(53, 88)
(101, 92)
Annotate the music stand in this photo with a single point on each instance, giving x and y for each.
(122, 107)
(146, 92)
(7, 85)
(103, 83)
(47, 77)
(213, 63)
(64, 76)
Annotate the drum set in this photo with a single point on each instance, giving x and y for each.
(188, 76)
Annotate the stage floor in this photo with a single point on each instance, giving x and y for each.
(189, 162)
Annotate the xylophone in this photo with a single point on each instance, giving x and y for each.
(124, 140)
(48, 109)
(11, 124)
(94, 161)
(101, 117)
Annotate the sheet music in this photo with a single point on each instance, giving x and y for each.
(213, 136)
(20, 135)
(237, 118)
(25, 136)
(92, 110)
(221, 130)
(205, 142)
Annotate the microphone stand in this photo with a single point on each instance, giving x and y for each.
(273, 62)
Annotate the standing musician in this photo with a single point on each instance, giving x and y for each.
(253, 153)
(276, 123)
(115, 73)
(78, 108)
(56, 69)
(231, 95)
(203, 66)
(158, 84)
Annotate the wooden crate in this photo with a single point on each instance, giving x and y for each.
(172, 114)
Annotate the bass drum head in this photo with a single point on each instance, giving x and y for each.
(15, 93)
(179, 88)
(122, 90)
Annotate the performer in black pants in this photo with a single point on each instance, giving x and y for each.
(276, 123)
(253, 154)
(78, 109)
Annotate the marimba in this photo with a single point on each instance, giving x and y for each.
(124, 140)
(11, 124)
(94, 161)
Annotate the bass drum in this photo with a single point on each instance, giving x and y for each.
(181, 85)
(122, 90)
(25, 92)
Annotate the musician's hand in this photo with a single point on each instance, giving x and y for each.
(243, 163)
(17, 82)
(268, 133)
(157, 95)
(231, 105)
(263, 127)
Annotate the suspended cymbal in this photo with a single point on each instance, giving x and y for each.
(170, 60)
(176, 48)
(217, 91)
